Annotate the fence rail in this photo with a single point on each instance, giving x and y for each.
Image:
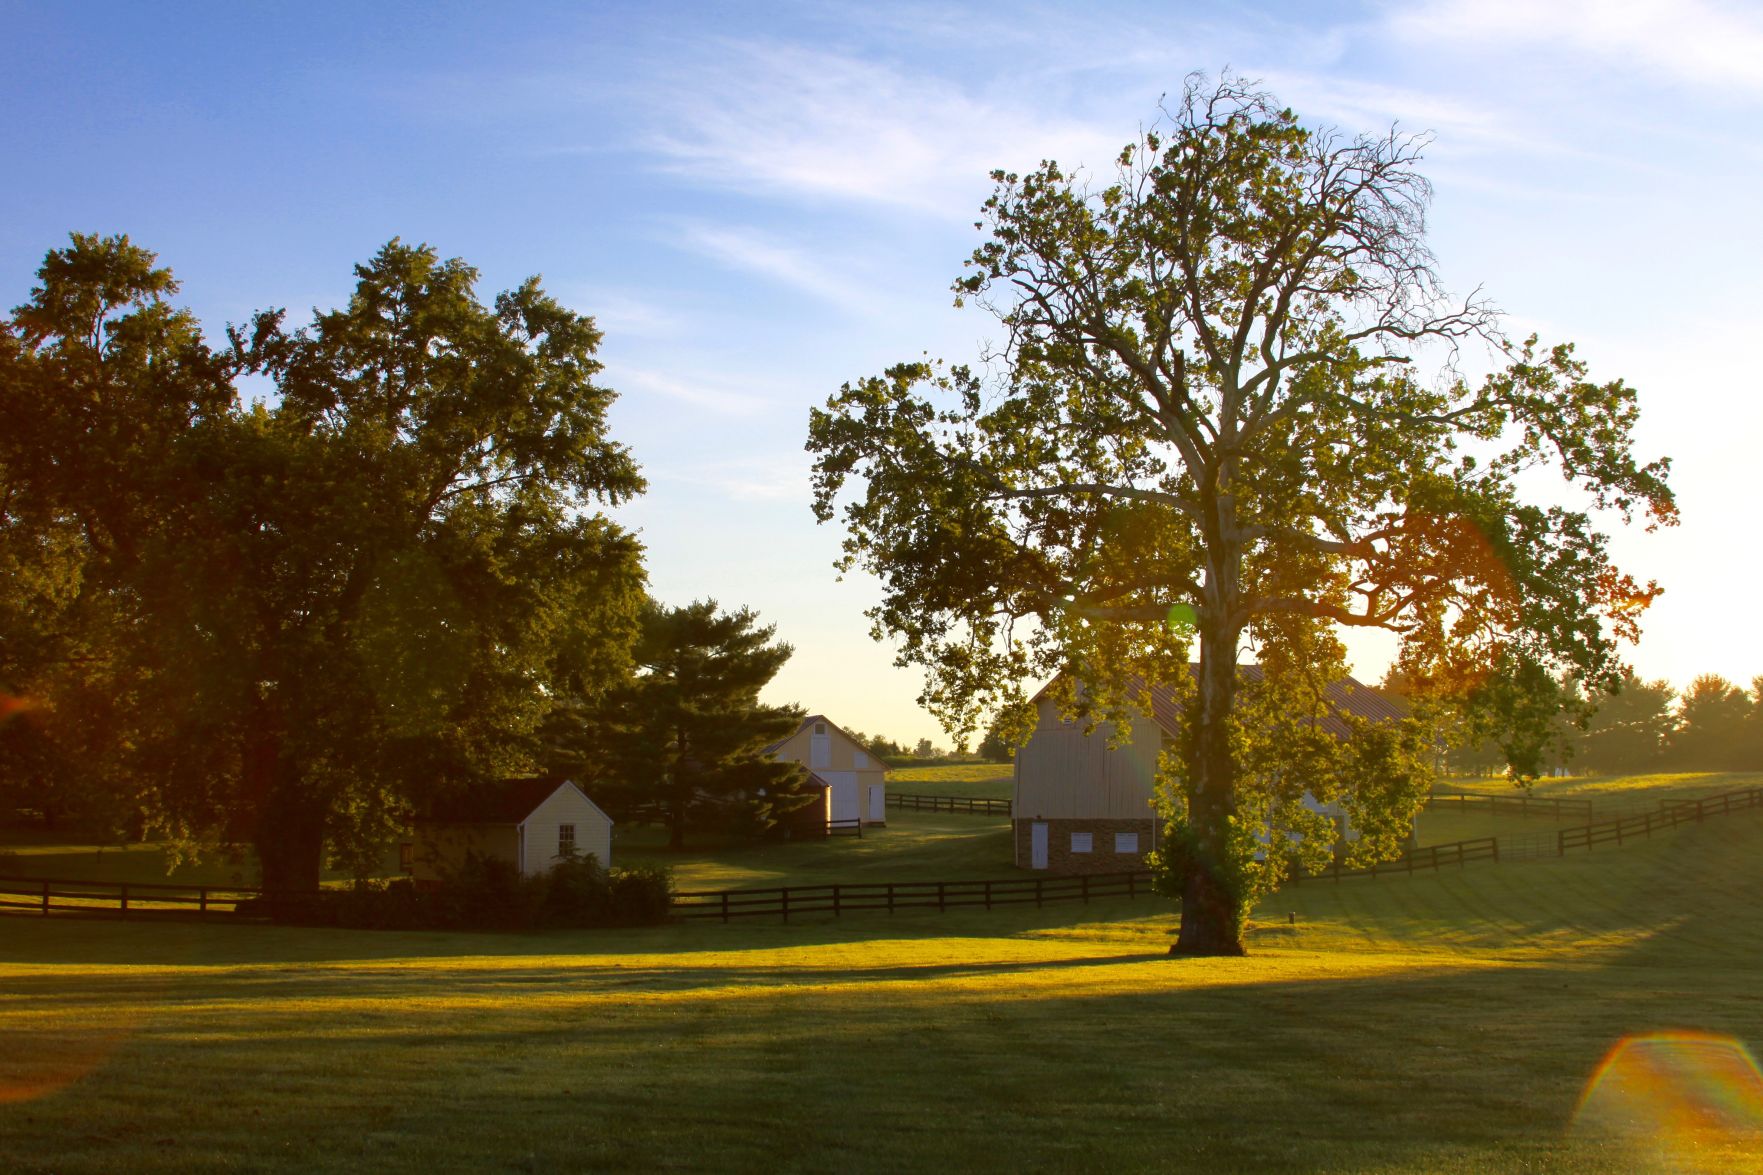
(61, 895)
(1556, 807)
(839, 898)
(1434, 857)
(924, 803)
(1670, 814)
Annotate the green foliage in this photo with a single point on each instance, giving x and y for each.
(284, 623)
(683, 741)
(1211, 428)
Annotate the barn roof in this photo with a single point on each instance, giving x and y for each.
(1343, 695)
(505, 801)
(805, 723)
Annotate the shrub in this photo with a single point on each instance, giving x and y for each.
(486, 894)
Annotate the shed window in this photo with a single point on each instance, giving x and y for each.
(407, 857)
(566, 840)
(1126, 842)
(820, 728)
(1080, 842)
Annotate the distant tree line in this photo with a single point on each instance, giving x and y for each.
(1645, 726)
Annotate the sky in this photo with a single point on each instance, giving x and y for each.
(758, 203)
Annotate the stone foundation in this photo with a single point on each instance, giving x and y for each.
(1100, 859)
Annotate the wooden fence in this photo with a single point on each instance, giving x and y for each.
(60, 895)
(851, 827)
(1462, 852)
(1670, 815)
(1556, 807)
(840, 898)
(922, 803)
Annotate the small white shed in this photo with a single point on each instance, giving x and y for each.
(533, 823)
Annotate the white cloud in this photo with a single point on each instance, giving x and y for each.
(789, 120)
(720, 394)
(755, 252)
(1693, 41)
(621, 314)
(752, 479)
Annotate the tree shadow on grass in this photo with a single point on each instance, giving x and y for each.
(1117, 1062)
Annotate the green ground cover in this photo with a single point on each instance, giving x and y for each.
(979, 781)
(1441, 1023)
(914, 846)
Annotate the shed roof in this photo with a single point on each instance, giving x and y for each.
(505, 801)
(1343, 695)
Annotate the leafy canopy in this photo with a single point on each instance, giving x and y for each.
(1210, 422)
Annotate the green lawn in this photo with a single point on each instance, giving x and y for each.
(914, 846)
(980, 781)
(1442, 1023)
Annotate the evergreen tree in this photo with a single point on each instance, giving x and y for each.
(684, 740)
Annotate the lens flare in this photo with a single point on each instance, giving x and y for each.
(41, 1065)
(1676, 1101)
(1182, 619)
(11, 707)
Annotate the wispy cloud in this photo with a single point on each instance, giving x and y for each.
(1704, 44)
(725, 395)
(622, 314)
(745, 479)
(775, 260)
(777, 119)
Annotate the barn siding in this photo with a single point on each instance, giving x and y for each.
(845, 756)
(1063, 773)
(566, 805)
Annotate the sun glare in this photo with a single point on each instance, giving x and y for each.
(1676, 1101)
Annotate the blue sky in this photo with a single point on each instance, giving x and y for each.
(760, 202)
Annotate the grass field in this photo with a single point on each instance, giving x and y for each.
(979, 781)
(1446, 1023)
(914, 846)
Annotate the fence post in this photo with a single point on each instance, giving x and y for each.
(1038, 882)
(941, 904)
(202, 901)
(45, 897)
(725, 905)
(786, 903)
(835, 899)
(124, 907)
(988, 895)
(890, 897)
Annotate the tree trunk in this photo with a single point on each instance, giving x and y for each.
(290, 846)
(1211, 909)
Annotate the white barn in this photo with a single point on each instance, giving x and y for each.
(854, 782)
(1081, 806)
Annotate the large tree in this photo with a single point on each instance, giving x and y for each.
(1209, 422)
(320, 609)
(684, 740)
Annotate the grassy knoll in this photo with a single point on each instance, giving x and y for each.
(980, 781)
(1442, 1023)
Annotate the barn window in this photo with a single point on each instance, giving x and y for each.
(1126, 842)
(407, 857)
(1080, 842)
(859, 760)
(820, 728)
(566, 840)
